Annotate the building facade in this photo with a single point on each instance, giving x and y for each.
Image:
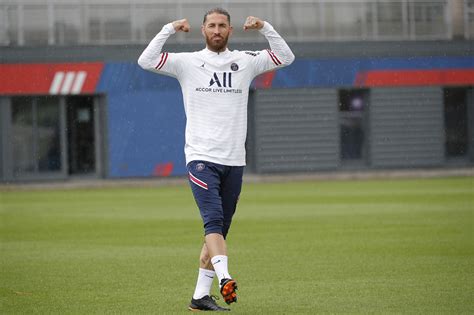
(384, 85)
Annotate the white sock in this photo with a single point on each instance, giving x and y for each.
(220, 266)
(204, 283)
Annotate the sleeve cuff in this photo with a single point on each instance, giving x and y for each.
(267, 27)
(169, 27)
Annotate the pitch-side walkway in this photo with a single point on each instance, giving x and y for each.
(85, 183)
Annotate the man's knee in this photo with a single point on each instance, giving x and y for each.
(213, 226)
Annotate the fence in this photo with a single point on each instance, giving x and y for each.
(103, 22)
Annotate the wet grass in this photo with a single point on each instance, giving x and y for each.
(371, 246)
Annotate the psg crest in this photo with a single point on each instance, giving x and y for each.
(200, 167)
(234, 66)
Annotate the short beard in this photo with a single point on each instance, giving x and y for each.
(217, 47)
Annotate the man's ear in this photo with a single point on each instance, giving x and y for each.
(202, 31)
(231, 29)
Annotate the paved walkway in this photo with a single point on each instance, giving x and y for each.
(87, 183)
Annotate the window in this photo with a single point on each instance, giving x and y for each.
(36, 135)
(11, 25)
(109, 24)
(35, 19)
(391, 19)
(345, 20)
(428, 19)
(67, 26)
(150, 18)
(51, 137)
(23, 135)
(240, 11)
(469, 19)
(48, 134)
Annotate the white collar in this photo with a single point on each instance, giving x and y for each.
(209, 52)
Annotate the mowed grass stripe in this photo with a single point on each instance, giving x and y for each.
(371, 246)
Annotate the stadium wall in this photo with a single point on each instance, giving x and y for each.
(406, 127)
(295, 130)
(470, 101)
(294, 119)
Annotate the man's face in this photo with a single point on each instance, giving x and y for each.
(216, 29)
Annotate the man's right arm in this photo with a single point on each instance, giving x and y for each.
(153, 59)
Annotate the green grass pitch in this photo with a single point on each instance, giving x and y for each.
(352, 246)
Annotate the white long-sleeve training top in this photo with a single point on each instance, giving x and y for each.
(215, 89)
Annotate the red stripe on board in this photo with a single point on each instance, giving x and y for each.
(37, 78)
(416, 77)
(163, 169)
(198, 182)
(274, 61)
(264, 81)
(360, 78)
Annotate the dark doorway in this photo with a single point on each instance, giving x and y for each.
(80, 134)
(353, 131)
(455, 122)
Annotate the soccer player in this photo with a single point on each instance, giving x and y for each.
(215, 85)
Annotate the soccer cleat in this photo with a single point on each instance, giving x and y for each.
(228, 288)
(206, 303)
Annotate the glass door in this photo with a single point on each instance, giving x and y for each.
(36, 136)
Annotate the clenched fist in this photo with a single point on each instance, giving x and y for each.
(253, 23)
(181, 25)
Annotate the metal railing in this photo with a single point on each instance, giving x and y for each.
(469, 19)
(103, 22)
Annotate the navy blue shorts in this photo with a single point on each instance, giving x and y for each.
(216, 189)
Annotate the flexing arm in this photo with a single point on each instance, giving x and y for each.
(150, 58)
(277, 44)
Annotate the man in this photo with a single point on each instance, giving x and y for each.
(215, 83)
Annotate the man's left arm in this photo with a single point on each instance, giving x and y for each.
(279, 54)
